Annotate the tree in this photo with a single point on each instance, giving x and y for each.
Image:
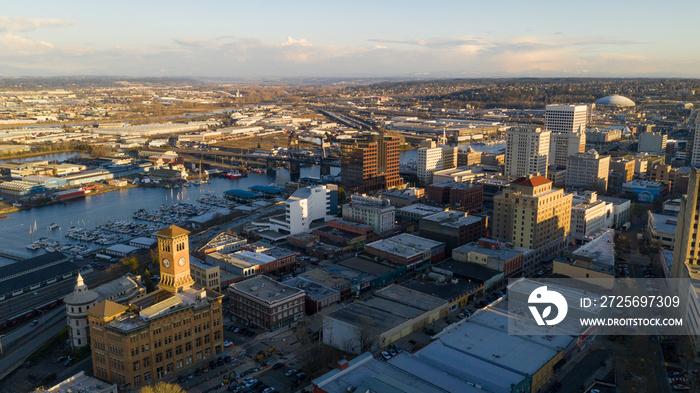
(162, 387)
(132, 264)
(147, 282)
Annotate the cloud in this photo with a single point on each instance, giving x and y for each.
(16, 24)
(236, 56)
(14, 45)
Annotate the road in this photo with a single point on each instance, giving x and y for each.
(28, 339)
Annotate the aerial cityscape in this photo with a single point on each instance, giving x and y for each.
(246, 198)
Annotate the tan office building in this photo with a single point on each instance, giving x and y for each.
(161, 333)
(531, 214)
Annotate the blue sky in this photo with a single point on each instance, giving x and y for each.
(350, 39)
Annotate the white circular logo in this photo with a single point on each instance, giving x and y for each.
(542, 296)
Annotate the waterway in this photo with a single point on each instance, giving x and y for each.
(96, 210)
(60, 157)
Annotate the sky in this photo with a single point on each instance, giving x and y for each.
(278, 39)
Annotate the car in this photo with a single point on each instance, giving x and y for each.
(250, 333)
(236, 330)
(540, 272)
(61, 359)
(251, 383)
(228, 344)
(205, 369)
(392, 352)
(462, 315)
(220, 361)
(396, 348)
(198, 372)
(386, 355)
(269, 390)
(69, 360)
(190, 376)
(228, 359)
(212, 364)
(290, 372)
(34, 323)
(277, 366)
(182, 378)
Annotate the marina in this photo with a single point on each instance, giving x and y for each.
(99, 217)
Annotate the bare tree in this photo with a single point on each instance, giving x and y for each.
(366, 334)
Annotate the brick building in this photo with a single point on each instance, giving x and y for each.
(262, 301)
(174, 327)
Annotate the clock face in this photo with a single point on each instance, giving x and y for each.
(181, 261)
(166, 262)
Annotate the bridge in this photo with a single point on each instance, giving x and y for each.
(270, 160)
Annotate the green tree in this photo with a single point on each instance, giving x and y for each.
(132, 265)
(147, 282)
(162, 387)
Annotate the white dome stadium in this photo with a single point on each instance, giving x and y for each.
(615, 100)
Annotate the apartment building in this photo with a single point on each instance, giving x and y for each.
(376, 212)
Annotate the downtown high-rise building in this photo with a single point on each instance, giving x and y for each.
(567, 123)
(433, 158)
(695, 152)
(532, 214)
(565, 118)
(370, 162)
(527, 151)
(685, 266)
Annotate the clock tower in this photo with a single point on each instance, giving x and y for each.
(174, 258)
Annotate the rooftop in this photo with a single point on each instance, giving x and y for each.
(378, 320)
(312, 290)
(600, 250)
(265, 289)
(327, 279)
(81, 383)
(663, 223)
(410, 297)
(223, 239)
(173, 231)
(405, 245)
(266, 190)
(242, 194)
(106, 309)
(502, 252)
(368, 374)
(534, 181)
(363, 265)
(419, 209)
(453, 218)
(34, 270)
(474, 271)
(446, 291)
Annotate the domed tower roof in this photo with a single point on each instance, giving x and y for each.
(81, 294)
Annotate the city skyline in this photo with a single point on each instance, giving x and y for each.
(313, 39)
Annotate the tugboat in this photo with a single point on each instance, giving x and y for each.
(235, 174)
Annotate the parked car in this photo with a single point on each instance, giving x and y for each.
(386, 355)
(277, 366)
(290, 372)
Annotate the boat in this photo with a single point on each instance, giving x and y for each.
(53, 226)
(50, 249)
(235, 174)
(33, 246)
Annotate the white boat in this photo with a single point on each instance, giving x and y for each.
(33, 246)
(53, 226)
(50, 249)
